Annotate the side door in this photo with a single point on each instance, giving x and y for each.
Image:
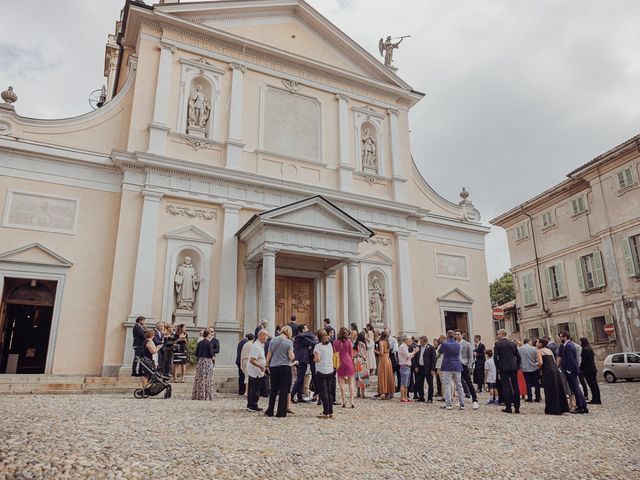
(619, 366)
(633, 365)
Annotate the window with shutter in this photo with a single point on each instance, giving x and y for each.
(528, 290)
(578, 205)
(599, 270)
(547, 219)
(590, 272)
(625, 178)
(590, 329)
(631, 252)
(598, 332)
(555, 281)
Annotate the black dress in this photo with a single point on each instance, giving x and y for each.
(180, 354)
(555, 399)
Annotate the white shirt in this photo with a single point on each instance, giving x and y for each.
(325, 365)
(257, 353)
(490, 368)
(421, 358)
(393, 344)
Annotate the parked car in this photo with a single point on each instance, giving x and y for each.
(621, 365)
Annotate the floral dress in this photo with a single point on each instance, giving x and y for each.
(361, 367)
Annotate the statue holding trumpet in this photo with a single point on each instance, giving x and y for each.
(386, 48)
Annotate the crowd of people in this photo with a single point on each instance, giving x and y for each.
(300, 366)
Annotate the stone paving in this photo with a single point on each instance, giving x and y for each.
(117, 436)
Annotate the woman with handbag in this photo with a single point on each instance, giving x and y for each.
(360, 363)
(344, 348)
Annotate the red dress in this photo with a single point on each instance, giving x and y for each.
(345, 350)
(522, 384)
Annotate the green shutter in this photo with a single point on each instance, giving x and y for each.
(560, 280)
(573, 331)
(599, 273)
(547, 278)
(590, 334)
(621, 179)
(628, 257)
(579, 272)
(609, 319)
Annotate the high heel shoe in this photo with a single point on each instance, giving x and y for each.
(344, 405)
(353, 406)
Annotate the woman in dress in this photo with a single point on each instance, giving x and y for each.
(555, 400)
(180, 353)
(323, 358)
(522, 383)
(371, 346)
(203, 381)
(344, 348)
(386, 382)
(354, 333)
(148, 351)
(589, 370)
(244, 359)
(360, 364)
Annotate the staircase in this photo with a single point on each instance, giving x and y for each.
(49, 384)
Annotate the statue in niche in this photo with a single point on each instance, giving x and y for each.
(187, 282)
(376, 301)
(369, 155)
(199, 109)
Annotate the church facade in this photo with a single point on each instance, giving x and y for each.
(250, 161)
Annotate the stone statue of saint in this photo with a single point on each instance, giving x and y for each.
(369, 155)
(376, 301)
(199, 109)
(187, 282)
(386, 47)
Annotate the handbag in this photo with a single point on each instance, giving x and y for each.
(336, 360)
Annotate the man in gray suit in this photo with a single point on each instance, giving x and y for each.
(466, 358)
(529, 358)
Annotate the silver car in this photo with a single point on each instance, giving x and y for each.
(621, 365)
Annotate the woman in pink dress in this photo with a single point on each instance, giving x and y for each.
(344, 348)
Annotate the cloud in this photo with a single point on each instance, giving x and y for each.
(25, 63)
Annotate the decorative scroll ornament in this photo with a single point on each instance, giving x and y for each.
(291, 85)
(191, 212)
(385, 242)
(372, 180)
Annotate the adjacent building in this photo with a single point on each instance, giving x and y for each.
(575, 253)
(249, 161)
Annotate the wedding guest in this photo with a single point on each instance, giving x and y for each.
(149, 349)
(555, 398)
(507, 358)
(344, 348)
(404, 359)
(255, 368)
(569, 363)
(167, 350)
(279, 359)
(386, 384)
(323, 358)
(360, 364)
(244, 357)
(329, 329)
(589, 370)
(478, 367)
(424, 366)
(530, 370)
(180, 352)
(370, 344)
(490, 377)
(203, 380)
(353, 333)
(139, 336)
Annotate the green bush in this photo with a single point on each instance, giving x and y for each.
(191, 351)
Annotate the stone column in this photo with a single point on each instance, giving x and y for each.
(146, 258)
(158, 128)
(353, 281)
(399, 180)
(250, 296)
(405, 285)
(234, 139)
(330, 296)
(268, 293)
(345, 168)
(228, 282)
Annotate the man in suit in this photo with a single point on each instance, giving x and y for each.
(466, 357)
(551, 345)
(571, 368)
(293, 325)
(262, 325)
(139, 332)
(329, 329)
(478, 369)
(507, 360)
(424, 368)
(241, 385)
(158, 341)
(303, 343)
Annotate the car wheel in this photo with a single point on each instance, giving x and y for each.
(137, 393)
(610, 377)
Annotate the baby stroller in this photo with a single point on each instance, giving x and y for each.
(157, 383)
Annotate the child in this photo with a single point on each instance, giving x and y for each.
(490, 377)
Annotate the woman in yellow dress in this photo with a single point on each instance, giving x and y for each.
(386, 382)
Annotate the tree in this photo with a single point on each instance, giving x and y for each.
(502, 290)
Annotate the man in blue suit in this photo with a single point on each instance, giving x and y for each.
(303, 344)
(571, 366)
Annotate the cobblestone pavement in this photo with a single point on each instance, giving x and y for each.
(117, 436)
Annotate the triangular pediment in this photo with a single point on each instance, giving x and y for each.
(456, 295)
(191, 232)
(291, 26)
(377, 257)
(315, 213)
(35, 254)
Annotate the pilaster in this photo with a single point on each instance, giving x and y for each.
(399, 179)
(353, 280)
(250, 296)
(330, 296)
(405, 285)
(228, 282)
(345, 167)
(158, 128)
(268, 293)
(234, 139)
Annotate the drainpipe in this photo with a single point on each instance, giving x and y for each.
(545, 309)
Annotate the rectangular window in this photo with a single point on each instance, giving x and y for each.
(528, 289)
(555, 281)
(625, 178)
(631, 251)
(535, 333)
(590, 272)
(578, 205)
(547, 219)
(597, 325)
(521, 231)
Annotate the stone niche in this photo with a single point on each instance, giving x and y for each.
(290, 125)
(369, 141)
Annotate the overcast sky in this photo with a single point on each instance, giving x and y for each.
(518, 92)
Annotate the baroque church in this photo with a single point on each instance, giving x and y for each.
(249, 161)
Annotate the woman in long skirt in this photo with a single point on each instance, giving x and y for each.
(360, 357)
(555, 399)
(371, 346)
(386, 382)
(203, 381)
